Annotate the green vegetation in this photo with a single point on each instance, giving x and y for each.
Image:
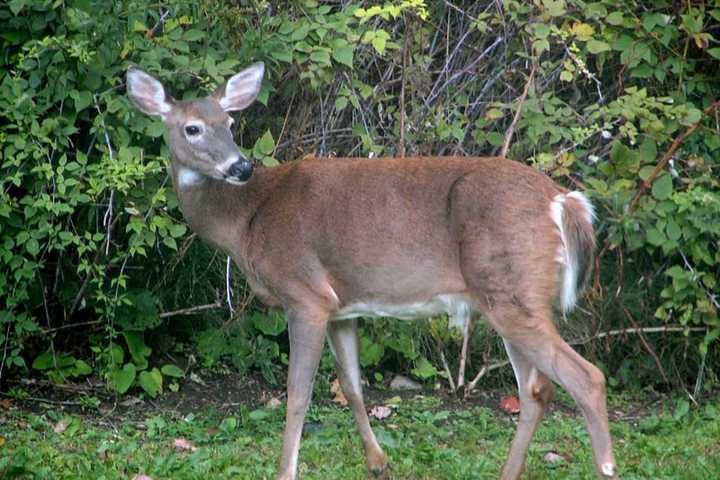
(424, 438)
(95, 260)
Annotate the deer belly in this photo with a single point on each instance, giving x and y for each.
(455, 306)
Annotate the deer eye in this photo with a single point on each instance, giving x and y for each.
(192, 130)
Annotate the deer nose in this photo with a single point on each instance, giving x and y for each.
(242, 170)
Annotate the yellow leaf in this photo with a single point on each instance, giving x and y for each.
(583, 31)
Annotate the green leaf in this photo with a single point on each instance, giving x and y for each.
(32, 246)
(177, 230)
(566, 76)
(120, 380)
(494, 114)
(82, 368)
(715, 52)
(343, 53)
(320, 56)
(264, 146)
(193, 35)
(151, 382)
(655, 237)
(424, 369)
(136, 346)
(270, 324)
(622, 158)
(259, 414)
(43, 361)
(16, 6)
(615, 18)
(228, 424)
(341, 103)
(596, 46)
(662, 188)
(172, 371)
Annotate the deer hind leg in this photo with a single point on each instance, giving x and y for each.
(535, 337)
(343, 339)
(306, 329)
(535, 391)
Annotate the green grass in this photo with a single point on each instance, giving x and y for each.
(424, 439)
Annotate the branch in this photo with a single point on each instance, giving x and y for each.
(191, 310)
(668, 156)
(623, 331)
(511, 130)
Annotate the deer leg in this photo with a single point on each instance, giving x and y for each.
(306, 330)
(343, 339)
(538, 341)
(535, 391)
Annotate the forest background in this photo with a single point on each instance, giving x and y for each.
(100, 279)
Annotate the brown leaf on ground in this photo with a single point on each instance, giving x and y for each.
(274, 402)
(380, 412)
(6, 403)
(339, 395)
(60, 426)
(510, 404)
(181, 444)
(553, 457)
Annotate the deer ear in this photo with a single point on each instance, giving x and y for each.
(147, 93)
(242, 89)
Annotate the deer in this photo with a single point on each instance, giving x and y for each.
(332, 240)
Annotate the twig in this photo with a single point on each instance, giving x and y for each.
(72, 325)
(191, 310)
(401, 146)
(228, 290)
(453, 388)
(7, 340)
(623, 331)
(668, 156)
(483, 371)
(647, 346)
(464, 353)
(282, 130)
(511, 131)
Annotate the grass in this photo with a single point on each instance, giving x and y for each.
(424, 438)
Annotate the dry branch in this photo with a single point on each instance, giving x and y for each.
(668, 156)
(610, 333)
(511, 131)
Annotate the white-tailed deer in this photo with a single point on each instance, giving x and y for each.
(332, 240)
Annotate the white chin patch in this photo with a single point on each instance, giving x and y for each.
(188, 177)
(234, 181)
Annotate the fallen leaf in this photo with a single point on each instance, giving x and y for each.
(60, 426)
(273, 403)
(339, 395)
(6, 403)
(510, 404)
(181, 444)
(552, 457)
(380, 412)
(2, 440)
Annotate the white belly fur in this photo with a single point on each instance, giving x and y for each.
(455, 306)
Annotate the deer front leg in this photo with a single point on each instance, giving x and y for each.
(306, 330)
(343, 339)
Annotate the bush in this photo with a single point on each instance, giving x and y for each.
(90, 236)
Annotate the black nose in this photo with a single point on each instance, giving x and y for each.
(242, 170)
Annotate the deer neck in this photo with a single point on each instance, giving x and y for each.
(217, 211)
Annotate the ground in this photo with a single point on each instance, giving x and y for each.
(224, 428)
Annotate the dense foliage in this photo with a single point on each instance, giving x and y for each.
(95, 258)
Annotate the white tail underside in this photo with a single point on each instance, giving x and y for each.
(569, 281)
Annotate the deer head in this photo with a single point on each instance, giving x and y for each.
(199, 135)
